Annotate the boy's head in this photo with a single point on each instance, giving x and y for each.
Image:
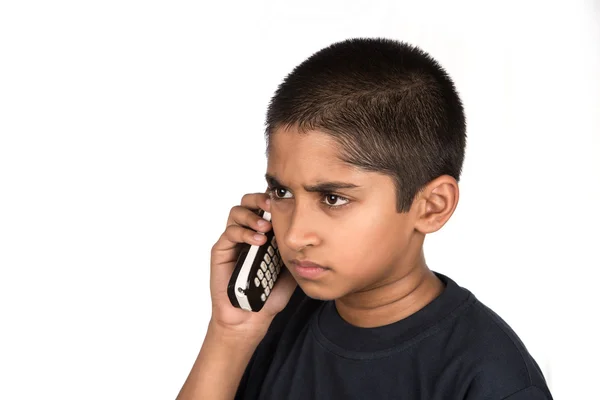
(379, 115)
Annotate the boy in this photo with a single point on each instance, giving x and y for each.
(366, 142)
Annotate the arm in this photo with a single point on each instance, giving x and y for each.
(234, 334)
(220, 364)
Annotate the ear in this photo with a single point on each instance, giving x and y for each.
(435, 204)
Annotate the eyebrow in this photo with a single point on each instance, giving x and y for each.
(323, 187)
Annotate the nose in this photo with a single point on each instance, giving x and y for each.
(301, 232)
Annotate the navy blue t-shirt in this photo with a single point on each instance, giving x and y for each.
(453, 348)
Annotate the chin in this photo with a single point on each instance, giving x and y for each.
(317, 292)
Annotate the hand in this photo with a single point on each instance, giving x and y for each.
(242, 225)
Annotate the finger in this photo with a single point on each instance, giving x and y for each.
(256, 201)
(242, 216)
(235, 234)
(268, 200)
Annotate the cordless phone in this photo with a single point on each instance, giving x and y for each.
(255, 272)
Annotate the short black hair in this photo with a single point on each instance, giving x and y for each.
(390, 105)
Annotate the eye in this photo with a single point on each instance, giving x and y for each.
(279, 193)
(332, 200)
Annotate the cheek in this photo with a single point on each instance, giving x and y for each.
(368, 249)
(366, 255)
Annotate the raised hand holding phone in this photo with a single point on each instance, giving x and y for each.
(245, 227)
(256, 272)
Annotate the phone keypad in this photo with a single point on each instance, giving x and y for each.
(258, 267)
(265, 269)
(268, 272)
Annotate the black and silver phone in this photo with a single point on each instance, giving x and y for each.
(255, 273)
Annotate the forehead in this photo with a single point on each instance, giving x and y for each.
(306, 157)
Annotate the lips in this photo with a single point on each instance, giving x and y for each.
(309, 270)
(306, 264)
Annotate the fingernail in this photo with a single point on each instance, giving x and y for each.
(258, 237)
(262, 223)
(268, 202)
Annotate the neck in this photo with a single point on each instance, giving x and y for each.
(393, 300)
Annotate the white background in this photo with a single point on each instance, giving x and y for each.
(128, 129)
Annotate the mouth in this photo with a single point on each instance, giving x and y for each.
(306, 264)
(308, 269)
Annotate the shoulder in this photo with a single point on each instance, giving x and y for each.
(530, 393)
(501, 366)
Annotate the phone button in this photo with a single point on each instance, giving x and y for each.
(257, 282)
